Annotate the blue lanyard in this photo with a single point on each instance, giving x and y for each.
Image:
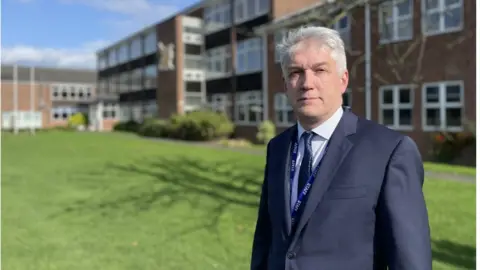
(309, 183)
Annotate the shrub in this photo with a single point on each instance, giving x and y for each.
(77, 120)
(266, 131)
(153, 128)
(128, 126)
(199, 126)
(448, 145)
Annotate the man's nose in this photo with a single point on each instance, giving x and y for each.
(308, 79)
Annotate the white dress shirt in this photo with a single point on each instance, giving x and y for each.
(322, 133)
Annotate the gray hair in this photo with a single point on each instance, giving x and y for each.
(326, 37)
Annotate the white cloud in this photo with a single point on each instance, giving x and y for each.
(132, 15)
(82, 57)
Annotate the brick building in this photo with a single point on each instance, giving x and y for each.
(411, 63)
(157, 71)
(56, 94)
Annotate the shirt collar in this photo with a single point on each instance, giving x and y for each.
(326, 129)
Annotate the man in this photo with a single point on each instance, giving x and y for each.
(363, 208)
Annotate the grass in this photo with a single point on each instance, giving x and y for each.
(112, 201)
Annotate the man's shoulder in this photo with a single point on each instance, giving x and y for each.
(282, 137)
(381, 134)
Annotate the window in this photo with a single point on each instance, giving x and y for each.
(150, 42)
(193, 62)
(347, 98)
(249, 9)
(101, 62)
(443, 106)
(396, 20)
(396, 106)
(102, 85)
(221, 103)
(249, 55)
(150, 77)
(442, 16)
(112, 57)
(136, 79)
(62, 113)
(123, 82)
(22, 119)
(110, 110)
(248, 107)
(278, 37)
(150, 109)
(218, 61)
(283, 111)
(136, 48)
(217, 16)
(343, 28)
(123, 53)
(112, 88)
(71, 92)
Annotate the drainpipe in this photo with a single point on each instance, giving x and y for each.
(368, 56)
(265, 76)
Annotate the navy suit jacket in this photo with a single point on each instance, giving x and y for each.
(365, 210)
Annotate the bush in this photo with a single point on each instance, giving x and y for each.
(199, 126)
(77, 120)
(448, 145)
(128, 126)
(153, 128)
(266, 131)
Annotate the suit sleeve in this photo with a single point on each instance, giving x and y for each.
(404, 232)
(262, 235)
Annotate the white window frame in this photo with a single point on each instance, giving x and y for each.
(221, 103)
(218, 55)
(345, 33)
(441, 10)
(62, 109)
(443, 105)
(281, 105)
(391, 5)
(248, 100)
(246, 16)
(396, 106)
(219, 10)
(85, 89)
(244, 47)
(110, 107)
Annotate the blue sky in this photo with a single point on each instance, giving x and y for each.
(66, 33)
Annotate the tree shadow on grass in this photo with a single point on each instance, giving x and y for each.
(457, 255)
(222, 183)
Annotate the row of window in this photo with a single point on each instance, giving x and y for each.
(137, 111)
(22, 119)
(442, 106)
(218, 15)
(129, 50)
(249, 58)
(437, 17)
(134, 80)
(395, 21)
(71, 92)
(248, 106)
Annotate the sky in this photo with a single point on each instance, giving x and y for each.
(67, 33)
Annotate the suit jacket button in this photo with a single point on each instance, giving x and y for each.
(291, 255)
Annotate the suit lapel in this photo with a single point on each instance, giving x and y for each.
(336, 153)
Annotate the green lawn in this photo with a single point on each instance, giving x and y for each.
(113, 201)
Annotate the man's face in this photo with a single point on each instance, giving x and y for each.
(313, 84)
